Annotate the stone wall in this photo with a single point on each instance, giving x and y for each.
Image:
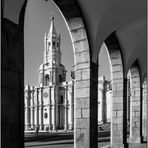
(12, 99)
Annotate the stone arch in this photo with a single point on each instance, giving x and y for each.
(135, 104)
(118, 114)
(144, 110)
(86, 74)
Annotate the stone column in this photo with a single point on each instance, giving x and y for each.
(72, 107)
(28, 110)
(50, 107)
(104, 110)
(41, 109)
(54, 108)
(37, 107)
(135, 119)
(54, 117)
(102, 104)
(99, 103)
(32, 109)
(57, 96)
(66, 108)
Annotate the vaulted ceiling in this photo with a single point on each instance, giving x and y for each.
(127, 18)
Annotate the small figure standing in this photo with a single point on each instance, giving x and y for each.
(36, 130)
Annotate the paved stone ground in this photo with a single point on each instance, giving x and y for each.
(60, 140)
(52, 140)
(57, 144)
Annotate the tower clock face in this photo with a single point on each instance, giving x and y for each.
(45, 94)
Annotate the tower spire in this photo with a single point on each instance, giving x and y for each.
(52, 29)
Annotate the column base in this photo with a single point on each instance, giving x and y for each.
(54, 128)
(137, 140)
(66, 129)
(70, 127)
(119, 145)
(144, 138)
(32, 127)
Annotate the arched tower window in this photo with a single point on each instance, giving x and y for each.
(46, 80)
(53, 43)
(45, 115)
(60, 78)
(62, 100)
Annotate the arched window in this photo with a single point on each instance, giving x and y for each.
(60, 78)
(53, 43)
(62, 100)
(45, 115)
(46, 80)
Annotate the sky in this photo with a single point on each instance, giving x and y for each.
(37, 23)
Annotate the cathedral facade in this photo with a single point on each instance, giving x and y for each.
(50, 105)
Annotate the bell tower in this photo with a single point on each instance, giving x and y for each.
(51, 71)
(52, 53)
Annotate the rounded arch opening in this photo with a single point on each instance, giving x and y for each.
(104, 90)
(81, 51)
(134, 104)
(117, 102)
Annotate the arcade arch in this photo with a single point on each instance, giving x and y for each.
(86, 84)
